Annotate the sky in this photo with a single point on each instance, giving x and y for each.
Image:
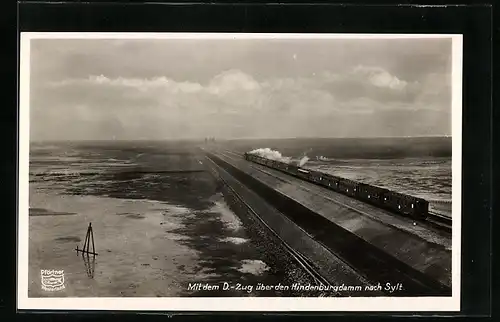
(153, 89)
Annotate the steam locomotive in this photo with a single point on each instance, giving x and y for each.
(398, 203)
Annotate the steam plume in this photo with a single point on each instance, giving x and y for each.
(303, 161)
(271, 154)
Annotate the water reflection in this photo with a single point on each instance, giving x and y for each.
(89, 262)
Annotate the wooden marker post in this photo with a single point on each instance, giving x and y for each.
(86, 245)
(89, 263)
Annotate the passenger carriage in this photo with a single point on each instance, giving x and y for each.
(377, 196)
(315, 176)
(291, 169)
(369, 193)
(303, 173)
(348, 187)
(329, 181)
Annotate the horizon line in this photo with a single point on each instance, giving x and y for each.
(242, 138)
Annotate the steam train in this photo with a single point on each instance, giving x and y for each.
(398, 203)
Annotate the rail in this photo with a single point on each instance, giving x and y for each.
(436, 220)
(375, 263)
(439, 221)
(303, 261)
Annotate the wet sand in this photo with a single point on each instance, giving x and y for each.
(155, 233)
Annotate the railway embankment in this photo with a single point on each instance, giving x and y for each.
(375, 245)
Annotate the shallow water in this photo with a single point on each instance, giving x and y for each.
(416, 166)
(154, 232)
(428, 178)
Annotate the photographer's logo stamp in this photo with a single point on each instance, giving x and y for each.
(52, 280)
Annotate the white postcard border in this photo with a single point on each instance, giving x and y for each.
(375, 304)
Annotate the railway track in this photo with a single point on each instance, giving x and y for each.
(439, 221)
(436, 220)
(301, 260)
(372, 262)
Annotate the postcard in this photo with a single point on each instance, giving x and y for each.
(239, 172)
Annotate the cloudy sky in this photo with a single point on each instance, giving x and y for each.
(239, 88)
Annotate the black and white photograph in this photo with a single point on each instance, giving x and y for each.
(222, 172)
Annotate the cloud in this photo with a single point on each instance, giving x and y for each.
(362, 100)
(381, 78)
